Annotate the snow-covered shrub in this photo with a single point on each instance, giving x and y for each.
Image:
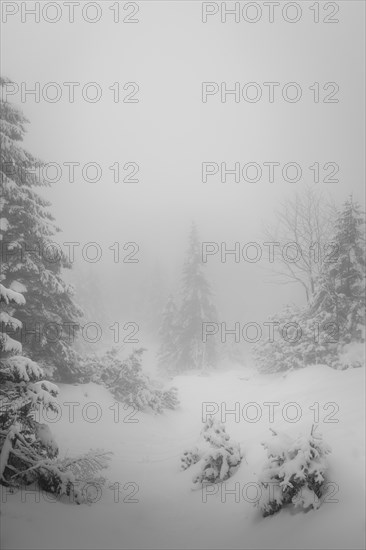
(71, 477)
(125, 379)
(219, 456)
(295, 472)
(298, 339)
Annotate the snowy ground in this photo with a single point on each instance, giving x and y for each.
(168, 513)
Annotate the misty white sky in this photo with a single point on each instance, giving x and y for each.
(170, 132)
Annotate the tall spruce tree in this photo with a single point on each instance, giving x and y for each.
(341, 286)
(195, 309)
(29, 258)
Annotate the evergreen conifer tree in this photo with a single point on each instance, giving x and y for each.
(195, 309)
(341, 287)
(29, 257)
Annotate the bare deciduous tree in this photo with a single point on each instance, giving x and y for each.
(301, 239)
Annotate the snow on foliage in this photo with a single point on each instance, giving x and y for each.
(9, 345)
(4, 224)
(18, 287)
(71, 476)
(27, 225)
(23, 368)
(9, 321)
(125, 379)
(7, 295)
(352, 355)
(217, 454)
(295, 472)
(28, 451)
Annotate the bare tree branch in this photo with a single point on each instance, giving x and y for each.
(306, 220)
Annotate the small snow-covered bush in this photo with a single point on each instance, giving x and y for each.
(219, 456)
(295, 472)
(125, 379)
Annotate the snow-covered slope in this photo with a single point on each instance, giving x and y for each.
(156, 506)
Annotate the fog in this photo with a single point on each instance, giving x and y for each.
(170, 132)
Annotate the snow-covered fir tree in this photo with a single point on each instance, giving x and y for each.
(29, 258)
(295, 472)
(196, 308)
(341, 287)
(217, 455)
